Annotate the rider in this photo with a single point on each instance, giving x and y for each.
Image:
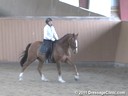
(50, 36)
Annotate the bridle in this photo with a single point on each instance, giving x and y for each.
(76, 45)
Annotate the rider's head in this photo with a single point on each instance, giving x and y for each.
(48, 21)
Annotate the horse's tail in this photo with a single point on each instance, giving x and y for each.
(24, 55)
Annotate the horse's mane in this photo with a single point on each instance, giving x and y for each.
(65, 37)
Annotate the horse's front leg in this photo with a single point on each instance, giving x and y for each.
(77, 74)
(76, 77)
(60, 79)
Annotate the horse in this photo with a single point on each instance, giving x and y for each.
(61, 53)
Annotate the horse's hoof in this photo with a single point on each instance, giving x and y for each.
(44, 79)
(20, 79)
(77, 78)
(61, 81)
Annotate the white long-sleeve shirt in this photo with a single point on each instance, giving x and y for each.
(50, 33)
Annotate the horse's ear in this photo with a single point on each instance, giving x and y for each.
(76, 34)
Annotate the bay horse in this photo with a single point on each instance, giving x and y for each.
(61, 54)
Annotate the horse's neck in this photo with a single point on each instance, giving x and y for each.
(64, 45)
(63, 42)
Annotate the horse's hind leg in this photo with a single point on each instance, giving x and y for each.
(40, 66)
(41, 58)
(26, 64)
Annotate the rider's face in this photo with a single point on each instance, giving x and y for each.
(50, 23)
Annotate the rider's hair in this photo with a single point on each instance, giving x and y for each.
(48, 20)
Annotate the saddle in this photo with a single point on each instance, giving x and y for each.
(47, 49)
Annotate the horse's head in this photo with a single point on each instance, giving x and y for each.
(73, 43)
